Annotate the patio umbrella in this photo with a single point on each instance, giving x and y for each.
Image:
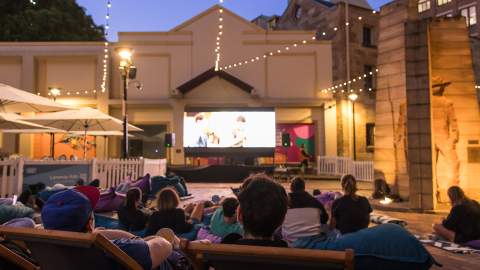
(11, 121)
(13, 100)
(82, 120)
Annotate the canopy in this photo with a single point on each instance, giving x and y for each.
(11, 121)
(13, 100)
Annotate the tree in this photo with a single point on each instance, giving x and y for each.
(48, 20)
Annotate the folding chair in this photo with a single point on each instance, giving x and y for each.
(239, 257)
(58, 250)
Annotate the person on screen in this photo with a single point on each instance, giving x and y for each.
(239, 137)
(200, 137)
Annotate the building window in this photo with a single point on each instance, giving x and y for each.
(298, 12)
(443, 2)
(368, 81)
(367, 36)
(470, 13)
(370, 135)
(423, 5)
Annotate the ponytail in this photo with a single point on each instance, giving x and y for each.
(349, 186)
(133, 196)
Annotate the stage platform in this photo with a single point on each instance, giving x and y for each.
(218, 173)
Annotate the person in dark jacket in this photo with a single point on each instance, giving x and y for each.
(299, 198)
(168, 215)
(132, 216)
(463, 223)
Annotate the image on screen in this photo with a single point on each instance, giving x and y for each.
(229, 129)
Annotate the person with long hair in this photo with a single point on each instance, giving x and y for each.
(463, 223)
(132, 216)
(351, 212)
(169, 215)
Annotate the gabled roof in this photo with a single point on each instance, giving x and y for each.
(358, 3)
(211, 73)
(214, 9)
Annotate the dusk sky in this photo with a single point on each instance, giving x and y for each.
(162, 15)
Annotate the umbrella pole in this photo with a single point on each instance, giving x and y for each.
(85, 142)
(52, 145)
(105, 147)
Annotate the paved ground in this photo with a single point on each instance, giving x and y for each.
(417, 223)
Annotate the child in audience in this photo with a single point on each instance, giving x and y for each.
(463, 223)
(72, 210)
(224, 219)
(351, 212)
(168, 215)
(305, 215)
(262, 209)
(131, 215)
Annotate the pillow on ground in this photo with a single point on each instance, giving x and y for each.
(474, 244)
(386, 246)
(9, 212)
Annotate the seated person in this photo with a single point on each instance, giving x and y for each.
(386, 246)
(262, 209)
(463, 223)
(351, 212)
(131, 215)
(95, 183)
(72, 210)
(168, 215)
(224, 219)
(305, 215)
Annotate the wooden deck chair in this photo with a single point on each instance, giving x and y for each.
(15, 259)
(58, 250)
(239, 257)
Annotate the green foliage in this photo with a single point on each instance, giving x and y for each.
(49, 20)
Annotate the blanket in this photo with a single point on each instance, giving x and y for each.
(382, 219)
(435, 241)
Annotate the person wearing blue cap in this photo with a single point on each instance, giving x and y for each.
(72, 210)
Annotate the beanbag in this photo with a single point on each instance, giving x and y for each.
(386, 246)
(110, 201)
(45, 194)
(160, 182)
(474, 244)
(205, 234)
(20, 223)
(143, 184)
(9, 212)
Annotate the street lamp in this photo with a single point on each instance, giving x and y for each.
(54, 92)
(353, 97)
(128, 71)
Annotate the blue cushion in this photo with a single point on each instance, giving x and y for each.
(10, 212)
(387, 242)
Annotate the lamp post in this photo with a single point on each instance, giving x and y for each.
(353, 97)
(126, 66)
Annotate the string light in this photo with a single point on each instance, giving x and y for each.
(268, 54)
(339, 87)
(71, 93)
(477, 86)
(33, 2)
(218, 40)
(106, 48)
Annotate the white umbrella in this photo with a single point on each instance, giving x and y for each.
(11, 121)
(82, 120)
(13, 100)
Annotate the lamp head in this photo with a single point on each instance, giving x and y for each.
(55, 92)
(125, 53)
(353, 97)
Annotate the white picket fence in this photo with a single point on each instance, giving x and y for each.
(110, 172)
(338, 166)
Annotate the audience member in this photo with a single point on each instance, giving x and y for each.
(351, 212)
(262, 209)
(168, 215)
(72, 210)
(224, 219)
(131, 215)
(80, 182)
(463, 223)
(305, 215)
(95, 183)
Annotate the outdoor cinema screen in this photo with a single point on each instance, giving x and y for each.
(229, 129)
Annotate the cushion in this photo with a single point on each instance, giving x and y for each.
(205, 234)
(9, 212)
(388, 242)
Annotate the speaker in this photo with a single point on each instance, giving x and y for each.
(286, 140)
(169, 140)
